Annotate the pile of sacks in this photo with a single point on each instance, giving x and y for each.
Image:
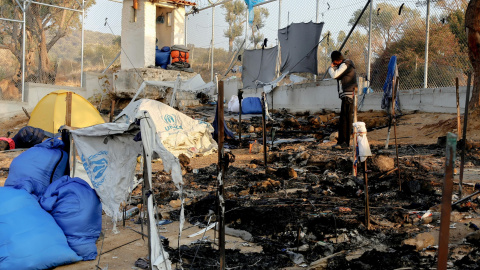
(47, 219)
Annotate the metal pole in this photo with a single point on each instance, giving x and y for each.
(264, 129)
(464, 135)
(425, 76)
(213, 39)
(221, 177)
(354, 167)
(367, 203)
(280, 15)
(83, 42)
(246, 28)
(23, 50)
(395, 131)
(316, 21)
(185, 38)
(457, 95)
(240, 97)
(446, 202)
(369, 42)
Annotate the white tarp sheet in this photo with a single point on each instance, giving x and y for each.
(195, 84)
(178, 132)
(109, 156)
(362, 141)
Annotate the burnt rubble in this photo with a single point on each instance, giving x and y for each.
(306, 209)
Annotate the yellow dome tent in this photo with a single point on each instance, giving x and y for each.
(52, 110)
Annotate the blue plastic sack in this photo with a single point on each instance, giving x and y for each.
(76, 208)
(162, 57)
(34, 169)
(29, 237)
(251, 105)
(28, 136)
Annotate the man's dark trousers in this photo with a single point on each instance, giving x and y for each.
(346, 121)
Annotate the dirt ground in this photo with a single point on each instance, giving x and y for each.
(262, 205)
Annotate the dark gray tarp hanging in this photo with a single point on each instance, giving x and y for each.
(298, 43)
(259, 65)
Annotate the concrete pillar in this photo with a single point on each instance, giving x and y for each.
(138, 35)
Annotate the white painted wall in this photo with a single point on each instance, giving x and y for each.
(314, 97)
(138, 36)
(34, 92)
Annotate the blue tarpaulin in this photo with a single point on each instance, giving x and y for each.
(76, 208)
(34, 169)
(29, 236)
(250, 4)
(251, 105)
(388, 86)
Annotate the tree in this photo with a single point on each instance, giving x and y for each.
(472, 23)
(259, 16)
(45, 26)
(235, 17)
(387, 25)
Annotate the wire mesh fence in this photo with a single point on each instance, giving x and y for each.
(53, 42)
(398, 28)
(11, 53)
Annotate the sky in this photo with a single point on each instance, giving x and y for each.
(334, 13)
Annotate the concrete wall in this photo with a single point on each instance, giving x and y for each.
(140, 31)
(178, 33)
(34, 92)
(314, 97)
(164, 32)
(138, 35)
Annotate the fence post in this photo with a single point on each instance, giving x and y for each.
(369, 43)
(23, 50)
(83, 41)
(427, 33)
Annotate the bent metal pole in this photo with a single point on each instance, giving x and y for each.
(221, 177)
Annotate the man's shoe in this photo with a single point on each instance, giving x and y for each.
(340, 146)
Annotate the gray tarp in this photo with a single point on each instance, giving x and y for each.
(299, 41)
(259, 66)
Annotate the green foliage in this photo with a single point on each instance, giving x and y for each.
(235, 17)
(259, 17)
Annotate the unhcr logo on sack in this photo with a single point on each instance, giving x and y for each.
(96, 165)
(172, 121)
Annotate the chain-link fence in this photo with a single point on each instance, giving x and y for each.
(398, 28)
(11, 52)
(59, 34)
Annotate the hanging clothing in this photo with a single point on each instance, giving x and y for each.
(389, 84)
(259, 67)
(299, 43)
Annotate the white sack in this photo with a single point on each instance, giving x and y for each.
(362, 141)
(234, 104)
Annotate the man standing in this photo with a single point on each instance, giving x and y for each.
(344, 71)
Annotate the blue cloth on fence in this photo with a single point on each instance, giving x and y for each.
(76, 208)
(30, 238)
(388, 85)
(251, 105)
(250, 4)
(34, 169)
(228, 132)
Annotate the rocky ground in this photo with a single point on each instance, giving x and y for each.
(306, 210)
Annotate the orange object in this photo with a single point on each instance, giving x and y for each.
(179, 54)
(135, 4)
(179, 60)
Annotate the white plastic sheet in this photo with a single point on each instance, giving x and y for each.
(362, 141)
(109, 155)
(178, 132)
